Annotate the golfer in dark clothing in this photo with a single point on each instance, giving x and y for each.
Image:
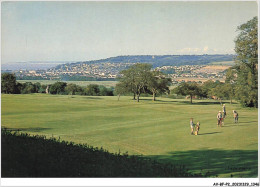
(224, 111)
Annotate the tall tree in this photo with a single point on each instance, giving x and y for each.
(121, 88)
(219, 91)
(126, 82)
(229, 91)
(158, 83)
(230, 82)
(135, 79)
(142, 77)
(206, 88)
(191, 89)
(8, 83)
(246, 47)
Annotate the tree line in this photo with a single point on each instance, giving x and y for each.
(209, 89)
(9, 85)
(140, 79)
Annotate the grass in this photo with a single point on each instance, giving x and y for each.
(158, 130)
(80, 83)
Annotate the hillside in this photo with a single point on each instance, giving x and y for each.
(109, 69)
(160, 60)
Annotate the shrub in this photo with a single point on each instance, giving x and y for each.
(58, 88)
(36, 156)
(92, 89)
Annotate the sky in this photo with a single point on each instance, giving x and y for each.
(81, 31)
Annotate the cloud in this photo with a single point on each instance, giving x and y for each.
(206, 48)
(189, 50)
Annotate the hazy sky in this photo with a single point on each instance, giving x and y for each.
(78, 31)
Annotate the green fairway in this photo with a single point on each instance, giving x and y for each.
(157, 129)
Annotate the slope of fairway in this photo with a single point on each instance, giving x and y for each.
(158, 129)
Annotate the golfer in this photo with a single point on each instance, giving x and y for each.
(197, 128)
(224, 111)
(235, 116)
(191, 125)
(219, 117)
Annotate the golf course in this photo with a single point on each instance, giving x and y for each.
(156, 129)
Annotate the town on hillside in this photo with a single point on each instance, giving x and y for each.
(111, 71)
(179, 68)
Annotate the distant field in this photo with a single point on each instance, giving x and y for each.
(216, 67)
(195, 79)
(80, 83)
(158, 129)
(224, 63)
